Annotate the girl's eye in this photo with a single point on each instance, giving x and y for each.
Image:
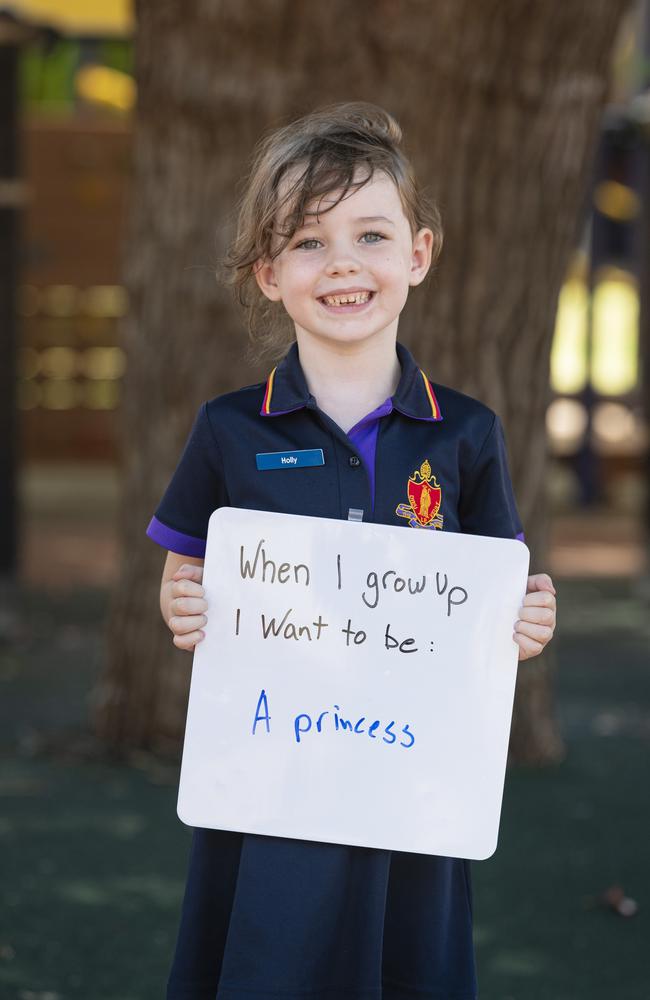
(367, 238)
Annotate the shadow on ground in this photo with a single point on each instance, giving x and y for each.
(93, 856)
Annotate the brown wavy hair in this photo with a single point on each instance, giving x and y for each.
(337, 148)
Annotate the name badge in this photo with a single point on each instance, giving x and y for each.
(289, 459)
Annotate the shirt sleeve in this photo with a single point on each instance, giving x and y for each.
(487, 502)
(196, 489)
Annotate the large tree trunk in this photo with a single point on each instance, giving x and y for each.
(500, 102)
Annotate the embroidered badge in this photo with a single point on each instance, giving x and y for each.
(425, 497)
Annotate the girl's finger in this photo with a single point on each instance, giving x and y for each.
(188, 642)
(540, 599)
(186, 588)
(189, 572)
(540, 581)
(538, 615)
(540, 633)
(527, 647)
(187, 605)
(184, 624)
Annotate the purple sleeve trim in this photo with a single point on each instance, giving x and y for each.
(175, 541)
(520, 537)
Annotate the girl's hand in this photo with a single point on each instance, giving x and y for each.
(186, 606)
(536, 622)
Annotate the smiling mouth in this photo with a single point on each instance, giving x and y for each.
(352, 299)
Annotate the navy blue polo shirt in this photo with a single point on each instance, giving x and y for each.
(448, 445)
(269, 917)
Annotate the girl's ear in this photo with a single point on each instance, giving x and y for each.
(265, 277)
(421, 256)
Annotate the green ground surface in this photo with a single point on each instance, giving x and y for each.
(92, 857)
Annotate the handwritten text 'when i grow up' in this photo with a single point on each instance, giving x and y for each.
(261, 567)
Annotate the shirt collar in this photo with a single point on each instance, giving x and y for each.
(414, 396)
(286, 388)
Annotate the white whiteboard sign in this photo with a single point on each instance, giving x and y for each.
(355, 683)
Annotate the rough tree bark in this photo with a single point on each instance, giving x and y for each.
(500, 103)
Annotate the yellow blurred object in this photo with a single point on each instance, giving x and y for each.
(105, 301)
(101, 395)
(103, 363)
(101, 18)
(569, 351)
(617, 430)
(616, 201)
(60, 300)
(615, 343)
(101, 85)
(566, 423)
(58, 362)
(614, 368)
(60, 395)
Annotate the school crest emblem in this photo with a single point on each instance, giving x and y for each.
(425, 497)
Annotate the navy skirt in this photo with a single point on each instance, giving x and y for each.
(268, 917)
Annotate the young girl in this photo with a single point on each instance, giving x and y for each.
(332, 233)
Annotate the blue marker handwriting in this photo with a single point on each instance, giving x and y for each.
(332, 721)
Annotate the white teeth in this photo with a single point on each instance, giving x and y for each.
(344, 300)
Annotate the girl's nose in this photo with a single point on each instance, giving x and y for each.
(342, 262)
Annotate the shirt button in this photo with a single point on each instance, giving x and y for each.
(354, 461)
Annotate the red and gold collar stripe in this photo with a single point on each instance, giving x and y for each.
(266, 405)
(435, 409)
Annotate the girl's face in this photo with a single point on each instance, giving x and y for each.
(344, 276)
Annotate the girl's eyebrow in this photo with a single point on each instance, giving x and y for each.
(362, 218)
(375, 218)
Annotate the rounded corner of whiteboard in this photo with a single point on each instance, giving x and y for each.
(183, 815)
(525, 551)
(487, 852)
(219, 513)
